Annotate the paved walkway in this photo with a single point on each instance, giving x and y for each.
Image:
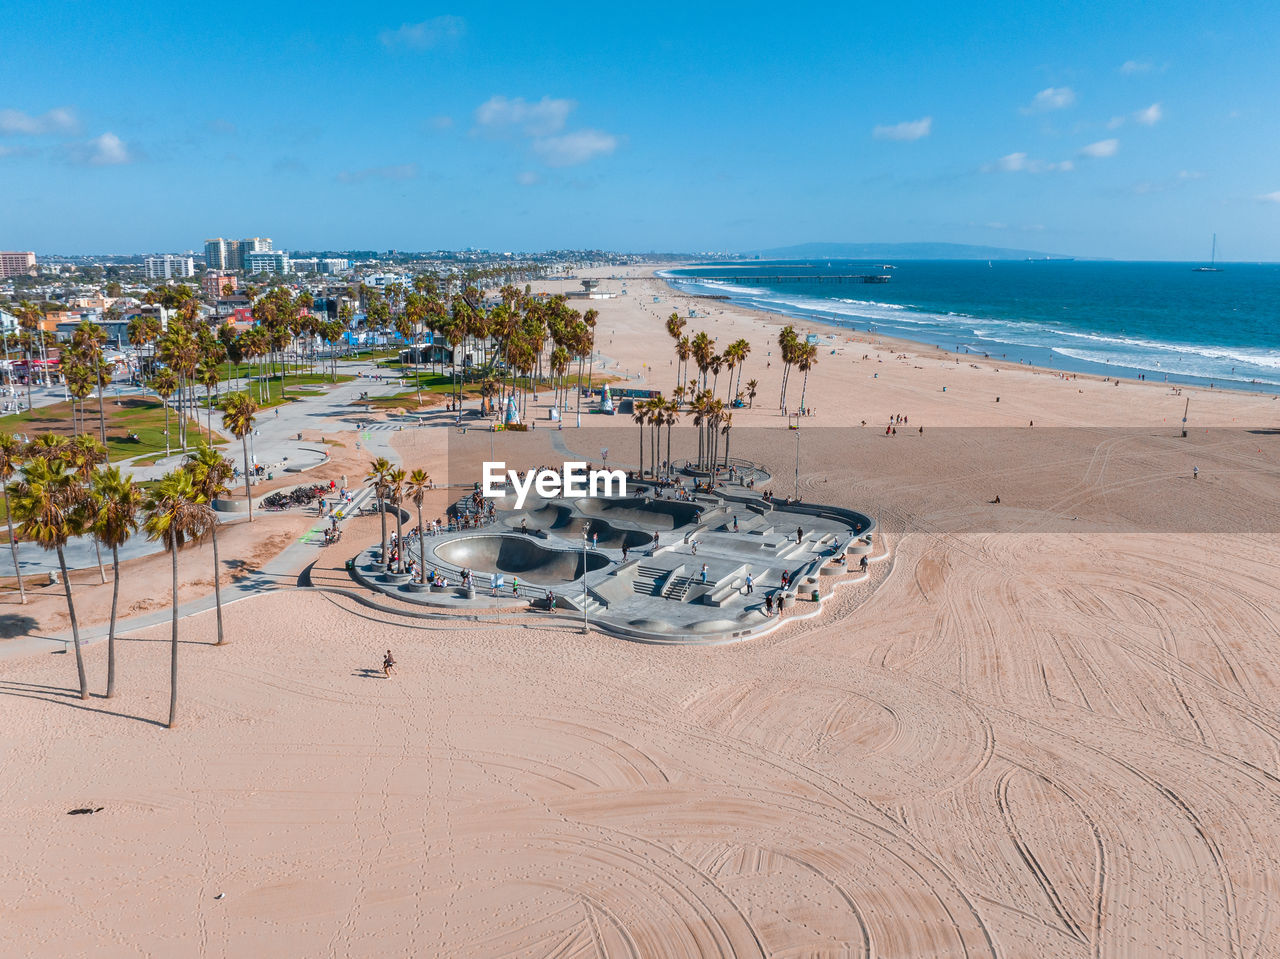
(275, 444)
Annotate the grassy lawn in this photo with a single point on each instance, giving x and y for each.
(435, 386)
(299, 385)
(141, 416)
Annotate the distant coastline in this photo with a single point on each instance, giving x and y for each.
(959, 328)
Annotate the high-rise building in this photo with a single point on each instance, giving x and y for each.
(215, 254)
(17, 264)
(222, 254)
(267, 261)
(169, 265)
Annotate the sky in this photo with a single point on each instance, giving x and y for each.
(1131, 130)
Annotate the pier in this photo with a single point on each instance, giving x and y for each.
(788, 278)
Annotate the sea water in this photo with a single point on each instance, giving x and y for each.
(1164, 321)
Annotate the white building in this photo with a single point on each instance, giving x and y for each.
(169, 265)
(267, 261)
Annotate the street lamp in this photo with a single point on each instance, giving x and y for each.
(585, 529)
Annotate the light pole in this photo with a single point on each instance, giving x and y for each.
(585, 529)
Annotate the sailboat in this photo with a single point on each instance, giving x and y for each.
(1213, 259)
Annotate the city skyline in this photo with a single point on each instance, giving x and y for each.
(1100, 132)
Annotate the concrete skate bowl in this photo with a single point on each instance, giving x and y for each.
(607, 535)
(516, 555)
(547, 517)
(655, 514)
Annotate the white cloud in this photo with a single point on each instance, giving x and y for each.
(1103, 148)
(1021, 163)
(107, 150)
(424, 35)
(1115, 123)
(573, 148)
(401, 171)
(541, 118)
(442, 122)
(907, 130)
(527, 178)
(1190, 175)
(1136, 66)
(1150, 116)
(1270, 197)
(58, 120)
(1051, 98)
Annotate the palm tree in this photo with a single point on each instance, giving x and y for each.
(10, 456)
(741, 349)
(209, 373)
(165, 382)
(395, 493)
(84, 454)
(175, 514)
(752, 386)
(787, 345)
(641, 416)
(419, 484)
(90, 338)
(29, 317)
(210, 471)
(806, 359)
(238, 410)
(49, 504)
(379, 469)
(115, 503)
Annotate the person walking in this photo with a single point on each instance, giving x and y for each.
(799, 534)
(704, 572)
(388, 664)
(751, 586)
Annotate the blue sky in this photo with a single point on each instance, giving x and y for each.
(1123, 130)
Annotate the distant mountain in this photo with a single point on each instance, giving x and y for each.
(898, 251)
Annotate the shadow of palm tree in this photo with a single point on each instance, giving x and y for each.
(64, 697)
(13, 625)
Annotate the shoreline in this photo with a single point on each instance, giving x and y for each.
(1123, 373)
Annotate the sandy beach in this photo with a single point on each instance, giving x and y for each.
(1048, 727)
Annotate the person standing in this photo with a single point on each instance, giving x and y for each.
(388, 664)
(751, 586)
(704, 572)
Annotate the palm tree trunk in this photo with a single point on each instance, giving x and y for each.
(217, 582)
(102, 571)
(382, 513)
(244, 444)
(399, 540)
(173, 643)
(167, 451)
(75, 625)
(803, 388)
(111, 630)
(102, 411)
(422, 545)
(13, 546)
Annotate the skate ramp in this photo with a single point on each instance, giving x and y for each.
(517, 555)
(655, 514)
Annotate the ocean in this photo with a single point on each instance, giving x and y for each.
(1161, 320)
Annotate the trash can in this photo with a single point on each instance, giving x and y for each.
(351, 564)
(814, 596)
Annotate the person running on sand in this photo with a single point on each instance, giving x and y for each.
(388, 663)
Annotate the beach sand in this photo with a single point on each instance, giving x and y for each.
(1052, 728)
